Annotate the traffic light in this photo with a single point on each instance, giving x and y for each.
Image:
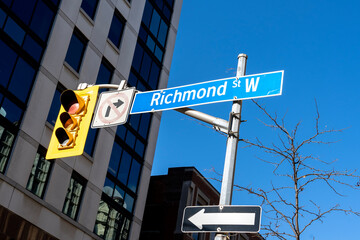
(72, 124)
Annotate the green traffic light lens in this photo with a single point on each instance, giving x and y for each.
(63, 137)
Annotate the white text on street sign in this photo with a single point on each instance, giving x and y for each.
(221, 90)
(221, 219)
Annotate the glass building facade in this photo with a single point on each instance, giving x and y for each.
(48, 46)
(24, 31)
(127, 156)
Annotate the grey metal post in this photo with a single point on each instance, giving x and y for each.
(231, 146)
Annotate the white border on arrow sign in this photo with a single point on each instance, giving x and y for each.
(109, 103)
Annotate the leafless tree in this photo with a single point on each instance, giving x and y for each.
(286, 204)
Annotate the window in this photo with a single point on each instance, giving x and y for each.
(89, 6)
(55, 105)
(124, 168)
(31, 26)
(23, 76)
(105, 72)
(7, 63)
(15, 72)
(23, 9)
(6, 141)
(110, 223)
(91, 141)
(104, 77)
(39, 175)
(76, 50)
(145, 67)
(42, 20)
(24, 27)
(116, 29)
(155, 27)
(74, 195)
(10, 115)
(14, 31)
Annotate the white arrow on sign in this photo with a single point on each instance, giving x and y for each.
(201, 218)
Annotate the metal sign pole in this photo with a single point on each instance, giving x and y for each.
(231, 146)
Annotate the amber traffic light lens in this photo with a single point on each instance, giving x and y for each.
(68, 121)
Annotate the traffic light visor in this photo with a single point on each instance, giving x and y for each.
(65, 138)
(68, 122)
(72, 102)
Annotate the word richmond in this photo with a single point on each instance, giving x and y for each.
(162, 97)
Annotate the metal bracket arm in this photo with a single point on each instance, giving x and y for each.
(218, 123)
(120, 86)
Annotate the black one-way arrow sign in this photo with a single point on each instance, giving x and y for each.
(221, 219)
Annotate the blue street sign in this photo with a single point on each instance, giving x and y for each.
(221, 90)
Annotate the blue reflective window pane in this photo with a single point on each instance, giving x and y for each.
(130, 139)
(155, 21)
(150, 43)
(160, 3)
(167, 12)
(162, 33)
(115, 159)
(55, 107)
(7, 2)
(134, 176)
(129, 203)
(33, 48)
(121, 131)
(143, 34)
(140, 148)
(170, 2)
(22, 80)
(132, 80)
(14, 31)
(137, 57)
(145, 66)
(42, 20)
(144, 124)
(23, 9)
(108, 188)
(56, 2)
(104, 75)
(7, 62)
(2, 18)
(75, 52)
(89, 6)
(147, 14)
(134, 121)
(119, 194)
(90, 141)
(158, 53)
(13, 112)
(116, 30)
(154, 75)
(124, 167)
(141, 87)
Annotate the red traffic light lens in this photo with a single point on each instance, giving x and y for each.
(71, 102)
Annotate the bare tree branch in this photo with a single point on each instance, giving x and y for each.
(286, 205)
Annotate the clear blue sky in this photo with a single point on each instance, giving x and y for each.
(316, 43)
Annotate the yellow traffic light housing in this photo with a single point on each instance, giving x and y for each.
(72, 124)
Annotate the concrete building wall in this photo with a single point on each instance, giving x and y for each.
(34, 131)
